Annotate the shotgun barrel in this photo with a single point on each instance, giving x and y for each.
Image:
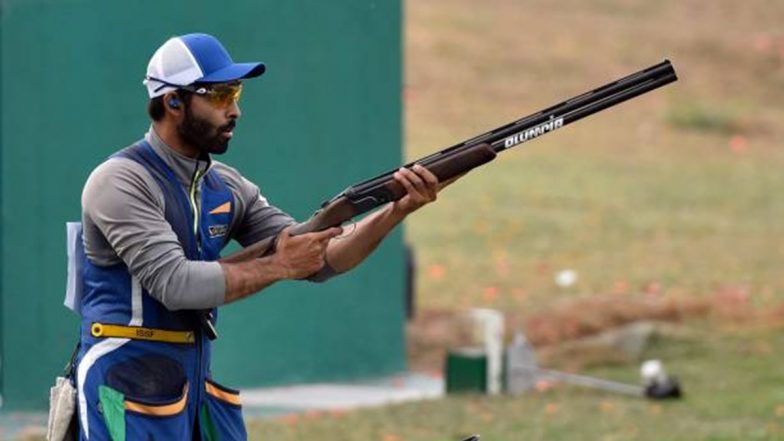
(529, 127)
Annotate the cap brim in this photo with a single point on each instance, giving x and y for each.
(237, 71)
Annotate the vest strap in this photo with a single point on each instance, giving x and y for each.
(141, 333)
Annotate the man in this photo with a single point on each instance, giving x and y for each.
(155, 216)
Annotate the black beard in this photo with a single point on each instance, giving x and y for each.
(199, 133)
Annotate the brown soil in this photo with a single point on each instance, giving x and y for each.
(432, 332)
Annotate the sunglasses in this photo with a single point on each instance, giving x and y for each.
(220, 95)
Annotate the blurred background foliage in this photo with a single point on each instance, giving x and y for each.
(667, 207)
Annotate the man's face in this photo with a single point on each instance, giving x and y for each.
(209, 125)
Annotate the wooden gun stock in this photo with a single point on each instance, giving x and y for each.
(342, 208)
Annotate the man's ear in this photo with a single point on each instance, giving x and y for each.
(172, 101)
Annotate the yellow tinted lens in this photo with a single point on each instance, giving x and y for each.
(224, 95)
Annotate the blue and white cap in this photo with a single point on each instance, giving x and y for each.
(187, 59)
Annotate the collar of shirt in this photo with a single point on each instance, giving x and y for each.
(184, 167)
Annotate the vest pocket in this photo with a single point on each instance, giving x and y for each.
(221, 414)
(157, 420)
(127, 418)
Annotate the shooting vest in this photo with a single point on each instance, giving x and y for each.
(143, 371)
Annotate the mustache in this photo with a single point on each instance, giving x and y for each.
(228, 127)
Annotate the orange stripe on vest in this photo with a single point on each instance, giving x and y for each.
(223, 208)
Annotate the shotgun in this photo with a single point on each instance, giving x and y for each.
(460, 158)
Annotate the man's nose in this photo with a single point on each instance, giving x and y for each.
(233, 111)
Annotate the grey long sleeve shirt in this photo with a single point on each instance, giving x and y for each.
(123, 220)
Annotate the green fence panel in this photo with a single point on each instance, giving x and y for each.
(327, 113)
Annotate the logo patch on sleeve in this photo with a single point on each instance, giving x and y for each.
(218, 230)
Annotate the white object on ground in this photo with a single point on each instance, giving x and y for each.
(652, 371)
(491, 326)
(566, 278)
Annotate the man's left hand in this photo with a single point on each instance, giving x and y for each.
(421, 186)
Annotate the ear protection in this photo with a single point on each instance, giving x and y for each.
(174, 103)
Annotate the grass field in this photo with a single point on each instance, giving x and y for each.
(732, 386)
(678, 187)
(674, 195)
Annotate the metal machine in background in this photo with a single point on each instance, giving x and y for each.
(523, 374)
(485, 367)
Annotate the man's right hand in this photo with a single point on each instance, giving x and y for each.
(303, 255)
(296, 257)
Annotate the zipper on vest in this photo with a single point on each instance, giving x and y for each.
(197, 174)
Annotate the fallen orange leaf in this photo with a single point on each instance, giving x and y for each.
(436, 272)
(652, 288)
(543, 385)
(490, 294)
(620, 287)
(738, 144)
